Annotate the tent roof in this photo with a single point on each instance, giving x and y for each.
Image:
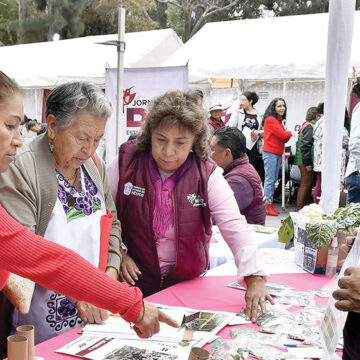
(49, 63)
(267, 48)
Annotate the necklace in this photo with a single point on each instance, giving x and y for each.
(72, 177)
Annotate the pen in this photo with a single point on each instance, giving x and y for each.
(300, 346)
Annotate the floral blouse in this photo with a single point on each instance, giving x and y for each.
(78, 203)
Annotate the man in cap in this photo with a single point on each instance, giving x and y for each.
(214, 120)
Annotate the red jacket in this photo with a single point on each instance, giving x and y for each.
(60, 269)
(275, 136)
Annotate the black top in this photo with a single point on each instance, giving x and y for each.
(250, 121)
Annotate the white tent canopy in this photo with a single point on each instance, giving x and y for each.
(43, 65)
(289, 47)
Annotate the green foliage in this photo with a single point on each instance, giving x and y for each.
(321, 233)
(101, 17)
(286, 231)
(8, 14)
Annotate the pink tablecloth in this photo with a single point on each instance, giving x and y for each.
(208, 293)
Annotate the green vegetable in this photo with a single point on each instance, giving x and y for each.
(321, 233)
(286, 231)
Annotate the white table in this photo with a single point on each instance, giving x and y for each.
(277, 261)
(220, 252)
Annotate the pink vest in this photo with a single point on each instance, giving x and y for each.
(255, 213)
(192, 225)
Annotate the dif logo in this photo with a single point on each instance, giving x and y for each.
(136, 113)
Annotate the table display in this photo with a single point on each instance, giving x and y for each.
(264, 237)
(208, 292)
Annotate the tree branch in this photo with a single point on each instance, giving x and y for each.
(209, 12)
(170, 2)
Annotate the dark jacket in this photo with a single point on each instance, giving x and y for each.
(192, 225)
(255, 212)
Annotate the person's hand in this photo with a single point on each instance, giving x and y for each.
(129, 271)
(348, 295)
(149, 322)
(308, 168)
(90, 313)
(112, 272)
(254, 135)
(349, 242)
(256, 295)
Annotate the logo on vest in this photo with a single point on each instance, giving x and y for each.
(130, 189)
(196, 200)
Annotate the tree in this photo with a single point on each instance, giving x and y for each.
(8, 14)
(101, 17)
(195, 13)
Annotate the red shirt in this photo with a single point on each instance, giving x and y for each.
(275, 136)
(60, 269)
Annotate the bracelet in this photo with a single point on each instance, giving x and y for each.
(143, 314)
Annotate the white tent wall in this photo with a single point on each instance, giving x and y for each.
(45, 65)
(33, 103)
(287, 47)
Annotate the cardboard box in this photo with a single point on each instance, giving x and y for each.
(306, 255)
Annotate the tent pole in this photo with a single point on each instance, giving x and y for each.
(283, 163)
(120, 78)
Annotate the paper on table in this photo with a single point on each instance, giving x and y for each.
(99, 348)
(247, 133)
(305, 352)
(333, 322)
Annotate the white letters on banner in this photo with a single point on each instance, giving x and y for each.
(141, 85)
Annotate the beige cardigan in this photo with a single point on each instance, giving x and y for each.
(28, 191)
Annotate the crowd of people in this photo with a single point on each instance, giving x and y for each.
(97, 238)
(265, 144)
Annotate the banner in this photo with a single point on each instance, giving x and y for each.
(141, 85)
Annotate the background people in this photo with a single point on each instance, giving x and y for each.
(304, 158)
(318, 143)
(36, 127)
(246, 117)
(166, 190)
(352, 175)
(228, 150)
(275, 137)
(199, 96)
(215, 121)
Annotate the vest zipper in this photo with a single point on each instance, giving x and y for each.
(161, 282)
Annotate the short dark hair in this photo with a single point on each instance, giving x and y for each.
(231, 138)
(251, 95)
(31, 124)
(356, 88)
(320, 108)
(197, 92)
(311, 113)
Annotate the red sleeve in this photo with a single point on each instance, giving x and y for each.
(60, 269)
(275, 127)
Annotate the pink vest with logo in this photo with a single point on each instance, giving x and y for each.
(192, 224)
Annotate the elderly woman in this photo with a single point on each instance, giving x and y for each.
(167, 189)
(52, 265)
(59, 190)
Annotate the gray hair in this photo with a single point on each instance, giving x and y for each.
(71, 98)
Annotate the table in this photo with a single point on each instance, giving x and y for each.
(201, 293)
(220, 253)
(277, 261)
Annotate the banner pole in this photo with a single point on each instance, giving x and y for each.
(120, 138)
